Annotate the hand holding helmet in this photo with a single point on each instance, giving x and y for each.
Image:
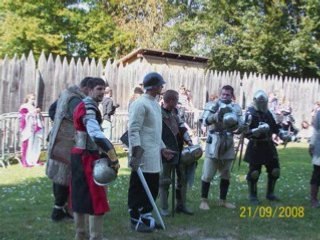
(191, 154)
(230, 121)
(115, 165)
(217, 112)
(223, 109)
(113, 161)
(107, 149)
(212, 118)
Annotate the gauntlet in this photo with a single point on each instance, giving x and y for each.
(135, 160)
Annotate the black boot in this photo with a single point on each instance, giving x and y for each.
(204, 204)
(137, 223)
(314, 189)
(58, 214)
(205, 186)
(68, 212)
(60, 210)
(224, 187)
(270, 190)
(253, 198)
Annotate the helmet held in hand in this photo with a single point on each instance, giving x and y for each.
(103, 174)
(230, 122)
(191, 154)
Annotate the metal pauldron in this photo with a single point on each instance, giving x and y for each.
(83, 141)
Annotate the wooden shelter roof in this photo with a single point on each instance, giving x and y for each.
(141, 52)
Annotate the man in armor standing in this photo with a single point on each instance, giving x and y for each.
(261, 149)
(174, 134)
(87, 195)
(222, 117)
(61, 141)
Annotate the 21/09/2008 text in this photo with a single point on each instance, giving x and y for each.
(271, 212)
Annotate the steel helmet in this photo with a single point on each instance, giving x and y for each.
(260, 101)
(153, 79)
(191, 154)
(230, 121)
(103, 174)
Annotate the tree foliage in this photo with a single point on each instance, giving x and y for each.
(143, 20)
(269, 36)
(25, 27)
(66, 28)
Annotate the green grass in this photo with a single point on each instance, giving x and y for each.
(26, 201)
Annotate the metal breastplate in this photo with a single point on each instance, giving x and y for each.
(83, 141)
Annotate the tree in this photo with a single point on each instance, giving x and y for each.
(182, 32)
(100, 36)
(142, 20)
(67, 28)
(34, 25)
(270, 36)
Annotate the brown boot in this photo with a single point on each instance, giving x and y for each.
(314, 189)
(80, 224)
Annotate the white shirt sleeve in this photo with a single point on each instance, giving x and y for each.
(136, 118)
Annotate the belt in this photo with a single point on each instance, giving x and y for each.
(261, 140)
(220, 132)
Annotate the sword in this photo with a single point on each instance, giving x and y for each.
(241, 150)
(146, 188)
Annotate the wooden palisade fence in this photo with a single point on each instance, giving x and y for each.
(50, 75)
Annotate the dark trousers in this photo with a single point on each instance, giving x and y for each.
(138, 201)
(60, 193)
(315, 178)
(257, 167)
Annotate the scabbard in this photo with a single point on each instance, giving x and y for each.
(173, 179)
